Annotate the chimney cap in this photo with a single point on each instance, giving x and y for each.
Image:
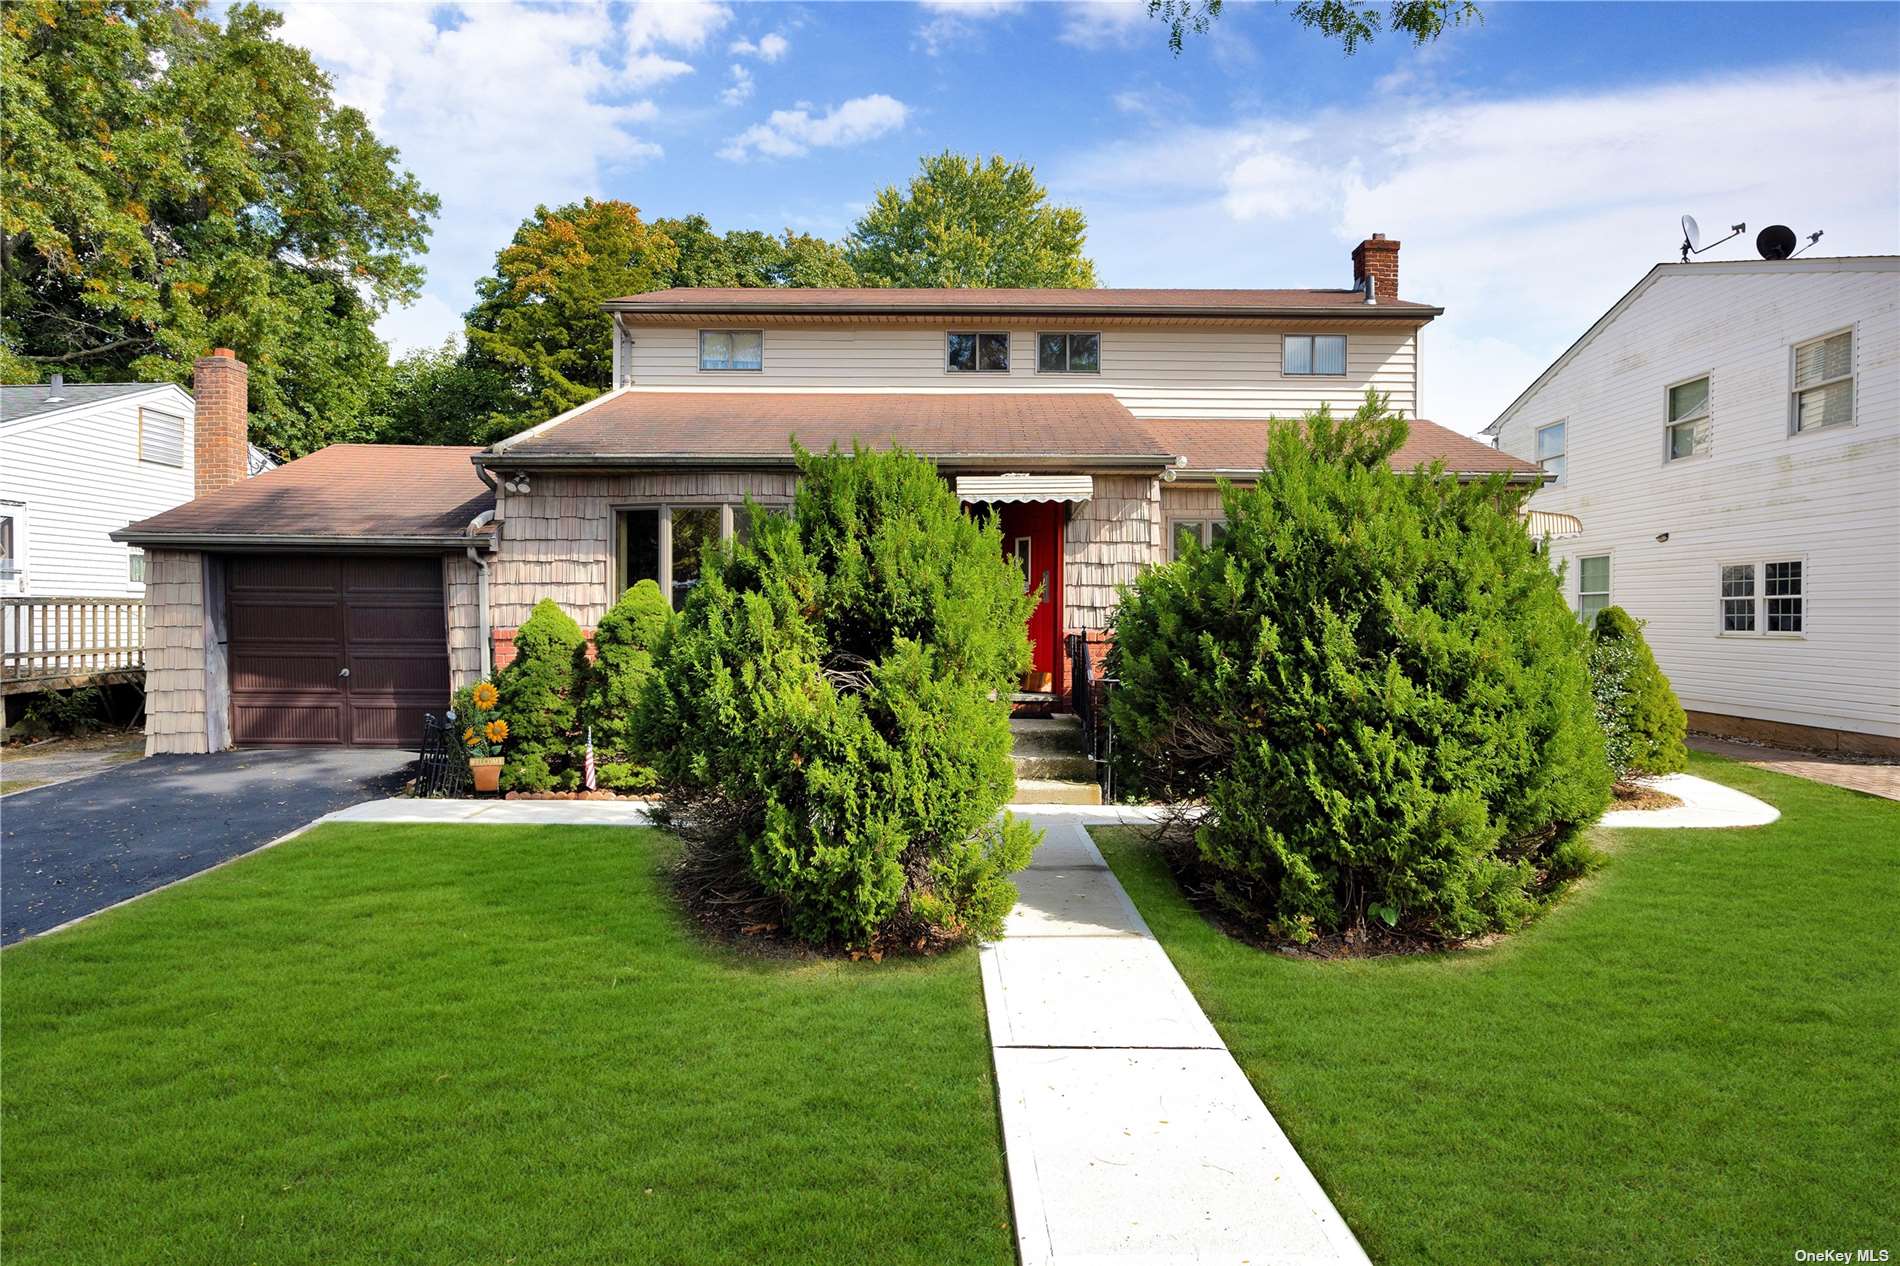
(225, 352)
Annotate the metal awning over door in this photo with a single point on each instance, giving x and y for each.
(1025, 487)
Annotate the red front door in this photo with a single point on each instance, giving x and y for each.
(1032, 535)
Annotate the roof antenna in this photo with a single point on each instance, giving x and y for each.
(1812, 239)
(1692, 237)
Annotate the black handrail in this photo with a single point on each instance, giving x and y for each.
(1091, 709)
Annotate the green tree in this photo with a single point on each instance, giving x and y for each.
(438, 396)
(174, 183)
(1351, 22)
(538, 318)
(748, 257)
(1374, 685)
(1643, 722)
(967, 222)
(830, 718)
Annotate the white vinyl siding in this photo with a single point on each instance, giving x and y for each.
(1830, 497)
(1823, 382)
(1156, 373)
(79, 475)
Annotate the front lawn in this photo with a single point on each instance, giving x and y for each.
(1692, 1058)
(438, 1044)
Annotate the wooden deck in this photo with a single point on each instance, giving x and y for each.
(66, 643)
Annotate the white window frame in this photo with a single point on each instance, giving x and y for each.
(1794, 394)
(135, 566)
(700, 348)
(184, 438)
(1607, 593)
(1009, 352)
(14, 582)
(1345, 356)
(1065, 336)
(1669, 425)
(1758, 570)
(1537, 446)
(1204, 528)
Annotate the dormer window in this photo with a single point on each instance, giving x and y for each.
(1320, 355)
(985, 352)
(722, 350)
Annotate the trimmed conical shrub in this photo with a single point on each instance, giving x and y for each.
(624, 643)
(539, 700)
(1643, 722)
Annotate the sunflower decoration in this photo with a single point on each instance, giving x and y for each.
(496, 730)
(485, 695)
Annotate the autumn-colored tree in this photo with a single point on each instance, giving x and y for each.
(969, 222)
(176, 181)
(539, 314)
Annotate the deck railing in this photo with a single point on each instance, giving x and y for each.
(61, 639)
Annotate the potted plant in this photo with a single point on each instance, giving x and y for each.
(483, 733)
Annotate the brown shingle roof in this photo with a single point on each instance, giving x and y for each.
(758, 425)
(1234, 444)
(1047, 301)
(362, 493)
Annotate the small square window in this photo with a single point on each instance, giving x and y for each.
(1321, 354)
(1068, 353)
(731, 349)
(1593, 586)
(986, 352)
(1187, 534)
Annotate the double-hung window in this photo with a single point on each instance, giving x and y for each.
(1551, 449)
(1068, 353)
(1593, 586)
(721, 350)
(977, 352)
(1768, 598)
(1688, 418)
(1823, 382)
(1319, 354)
(1186, 534)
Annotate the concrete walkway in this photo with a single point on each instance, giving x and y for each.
(1704, 804)
(1875, 777)
(1130, 1132)
(498, 812)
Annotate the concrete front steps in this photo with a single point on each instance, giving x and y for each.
(1050, 765)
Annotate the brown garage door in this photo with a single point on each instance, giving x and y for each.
(328, 649)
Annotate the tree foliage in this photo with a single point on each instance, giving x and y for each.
(747, 257)
(1643, 722)
(1351, 22)
(177, 182)
(963, 221)
(1375, 686)
(439, 396)
(829, 717)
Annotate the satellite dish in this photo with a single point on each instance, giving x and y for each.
(1691, 233)
(1775, 242)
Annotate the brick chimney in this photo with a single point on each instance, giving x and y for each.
(1377, 257)
(221, 386)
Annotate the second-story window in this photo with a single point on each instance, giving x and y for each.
(1068, 353)
(161, 438)
(1550, 449)
(977, 353)
(1824, 382)
(731, 349)
(1319, 354)
(1688, 414)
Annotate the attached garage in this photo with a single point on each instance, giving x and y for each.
(330, 602)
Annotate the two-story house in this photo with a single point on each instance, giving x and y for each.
(1728, 437)
(337, 599)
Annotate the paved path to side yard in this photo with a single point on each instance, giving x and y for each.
(1131, 1133)
(75, 848)
(499, 812)
(61, 760)
(1876, 779)
(1704, 804)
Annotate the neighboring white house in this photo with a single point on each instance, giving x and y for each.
(79, 461)
(1728, 435)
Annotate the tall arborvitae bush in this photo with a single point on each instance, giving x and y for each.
(1374, 685)
(539, 699)
(830, 718)
(624, 643)
(1643, 722)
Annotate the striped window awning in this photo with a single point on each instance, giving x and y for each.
(1543, 523)
(982, 488)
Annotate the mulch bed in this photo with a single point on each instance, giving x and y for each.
(1633, 795)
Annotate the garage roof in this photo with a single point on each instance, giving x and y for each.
(1234, 446)
(387, 495)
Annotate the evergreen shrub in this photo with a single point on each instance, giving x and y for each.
(1374, 686)
(540, 699)
(624, 643)
(830, 717)
(1643, 722)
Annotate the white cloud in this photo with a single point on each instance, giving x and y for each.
(769, 48)
(790, 133)
(682, 24)
(952, 21)
(1102, 23)
(740, 88)
(647, 69)
(495, 109)
(1525, 218)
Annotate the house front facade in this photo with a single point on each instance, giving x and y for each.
(1728, 439)
(338, 599)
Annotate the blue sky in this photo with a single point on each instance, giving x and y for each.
(1534, 166)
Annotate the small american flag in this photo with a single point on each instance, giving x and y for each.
(588, 769)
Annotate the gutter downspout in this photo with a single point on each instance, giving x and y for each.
(481, 590)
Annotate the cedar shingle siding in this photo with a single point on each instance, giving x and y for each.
(174, 652)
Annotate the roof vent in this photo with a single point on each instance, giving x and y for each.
(55, 390)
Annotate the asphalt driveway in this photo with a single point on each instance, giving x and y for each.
(76, 847)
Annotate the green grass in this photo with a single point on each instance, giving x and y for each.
(431, 1044)
(1694, 1057)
